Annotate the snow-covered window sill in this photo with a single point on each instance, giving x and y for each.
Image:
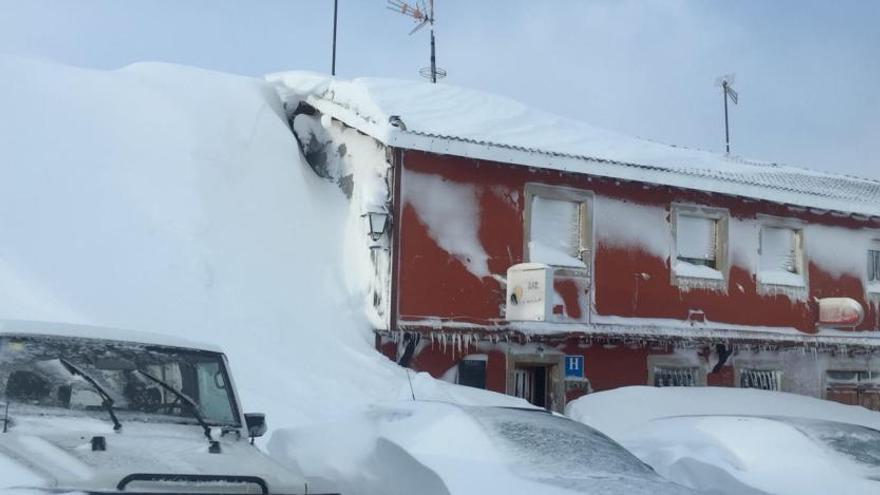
(782, 278)
(873, 289)
(688, 275)
(688, 270)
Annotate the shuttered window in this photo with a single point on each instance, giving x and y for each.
(675, 377)
(760, 379)
(696, 240)
(780, 250)
(555, 232)
(874, 263)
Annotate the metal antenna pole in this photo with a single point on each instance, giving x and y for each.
(424, 16)
(335, 10)
(433, 59)
(433, 55)
(726, 126)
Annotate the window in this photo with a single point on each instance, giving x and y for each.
(472, 373)
(780, 256)
(696, 240)
(675, 377)
(760, 379)
(855, 387)
(873, 277)
(850, 378)
(557, 226)
(700, 243)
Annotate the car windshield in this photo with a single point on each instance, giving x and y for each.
(859, 444)
(561, 452)
(35, 380)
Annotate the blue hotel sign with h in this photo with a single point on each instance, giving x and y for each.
(574, 366)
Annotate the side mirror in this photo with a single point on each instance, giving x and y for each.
(256, 424)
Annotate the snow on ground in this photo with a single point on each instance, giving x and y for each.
(741, 441)
(174, 200)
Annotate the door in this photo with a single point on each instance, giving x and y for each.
(530, 383)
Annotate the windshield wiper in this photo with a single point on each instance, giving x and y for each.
(107, 402)
(190, 404)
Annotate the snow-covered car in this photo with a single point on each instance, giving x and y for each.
(742, 441)
(102, 410)
(752, 454)
(439, 448)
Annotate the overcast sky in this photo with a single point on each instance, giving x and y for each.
(807, 71)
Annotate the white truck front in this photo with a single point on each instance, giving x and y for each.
(85, 411)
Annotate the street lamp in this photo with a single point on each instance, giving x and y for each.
(377, 223)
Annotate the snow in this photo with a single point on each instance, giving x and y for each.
(541, 253)
(614, 220)
(20, 327)
(445, 449)
(730, 440)
(446, 119)
(555, 232)
(685, 269)
(451, 212)
(781, 277)
(174, 200)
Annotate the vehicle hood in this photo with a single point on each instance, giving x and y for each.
(60, 451)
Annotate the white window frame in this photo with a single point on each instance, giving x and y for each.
(585, 200)
(872, 287)
(759, 369)
(766, 221)
(721, 216)
(682, 362)
(872, 381)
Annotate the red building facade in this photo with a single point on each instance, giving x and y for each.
(548, 275)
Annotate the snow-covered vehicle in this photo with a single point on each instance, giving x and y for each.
(738, 455)
(440, 448)
(102, 410)
(742, 441)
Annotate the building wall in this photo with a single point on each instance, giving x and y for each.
(459, 226)
(608, 365)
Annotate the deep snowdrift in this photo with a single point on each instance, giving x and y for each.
(173, 200)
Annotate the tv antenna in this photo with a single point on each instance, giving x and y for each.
(424, 15)
(725, 82)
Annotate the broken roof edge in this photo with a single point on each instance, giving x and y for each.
(317, 91)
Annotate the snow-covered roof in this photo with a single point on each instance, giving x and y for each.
(23, 327)
(446, 119)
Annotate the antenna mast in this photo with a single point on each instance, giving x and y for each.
(725, 82)
(424, 16)
(335, 12)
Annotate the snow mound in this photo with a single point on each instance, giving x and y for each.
(174, 200)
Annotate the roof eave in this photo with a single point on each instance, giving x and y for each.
(391, 136)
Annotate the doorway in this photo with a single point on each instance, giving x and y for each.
(530, 383)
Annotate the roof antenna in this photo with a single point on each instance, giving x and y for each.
(335, 12)
(725, 82)
(424, 16)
